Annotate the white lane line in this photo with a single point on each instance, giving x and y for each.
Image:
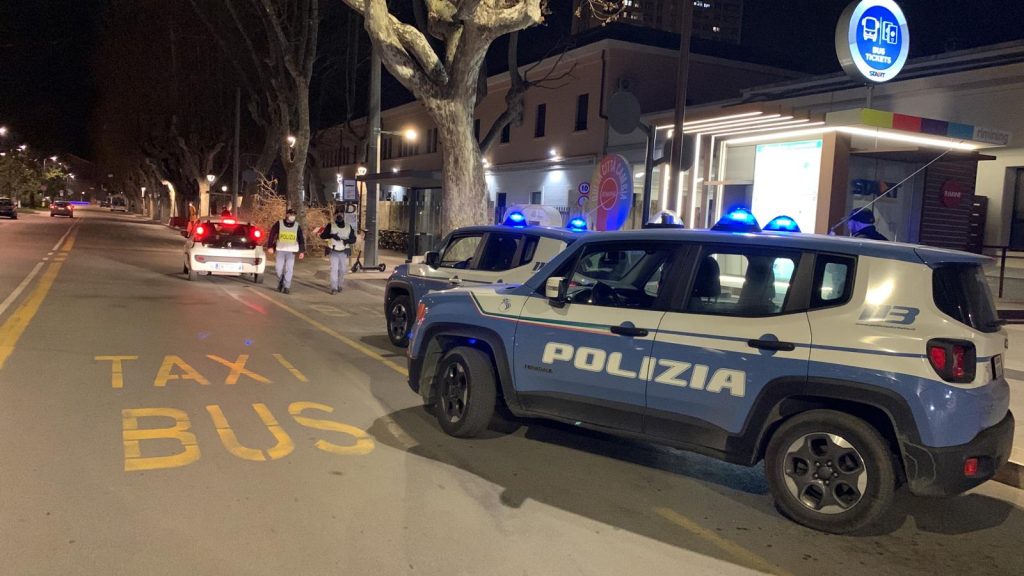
(21, 288)
(28, 279)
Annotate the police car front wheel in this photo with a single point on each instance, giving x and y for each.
(830, 471)
(466, 392)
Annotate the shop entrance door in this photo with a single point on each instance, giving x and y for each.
(1017, 224)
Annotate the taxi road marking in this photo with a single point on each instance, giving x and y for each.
(14, 327)
(729, 547)
(116, 368)
(343, 339)
(288, 366)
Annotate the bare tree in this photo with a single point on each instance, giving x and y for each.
(447, 82)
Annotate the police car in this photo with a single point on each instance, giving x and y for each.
(474, 256)
(224, 247)
(848, 366)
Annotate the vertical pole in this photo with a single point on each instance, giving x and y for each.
(871, 95)
(652, 134)
(672, 200)
(373, 161)
(1002, 271)
(238, 130)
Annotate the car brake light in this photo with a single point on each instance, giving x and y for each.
(953, 360)
(229, 221)
(200, 230)
(971, 467)
(200, 258)
(257, 234)
(52, 206)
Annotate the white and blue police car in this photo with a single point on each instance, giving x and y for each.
(474, 256)
(850, 367)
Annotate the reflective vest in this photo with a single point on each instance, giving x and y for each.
(287, 237)
(343, 233)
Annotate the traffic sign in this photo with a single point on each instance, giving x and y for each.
(873, 40)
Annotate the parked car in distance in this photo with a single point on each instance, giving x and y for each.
(8, 208)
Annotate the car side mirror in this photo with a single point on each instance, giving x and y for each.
(432, 259)
(556, 290)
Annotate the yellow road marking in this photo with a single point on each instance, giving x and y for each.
(70, 242)
(238, 369)
(188, 372)
(284, 445)
(116, 368)
(364, 443)
(288, 365)
(332, 333)
(132, 435)
(15, 326)
(729, 547)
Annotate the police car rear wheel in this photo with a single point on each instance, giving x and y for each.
(399, 319)
(830, 471)
(466, 392)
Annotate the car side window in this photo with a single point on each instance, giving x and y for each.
(529, 249)
(618, 277)
(500, 252)
(460, 251)
(833, 281)
(745, 283)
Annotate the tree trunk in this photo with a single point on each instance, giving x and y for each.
(296, 167)
(204, 197)
(464, 197)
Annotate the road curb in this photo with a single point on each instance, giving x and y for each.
(1011, 474)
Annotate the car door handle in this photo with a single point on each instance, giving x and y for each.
(773, 345)
(629, 330)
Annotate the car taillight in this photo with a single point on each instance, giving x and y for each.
(971, 467)
(200, 230)
(52, 206)
(257, 234)
(953, 360)
(229, 221)
(200, 258)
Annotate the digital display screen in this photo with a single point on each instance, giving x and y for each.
(786, 179)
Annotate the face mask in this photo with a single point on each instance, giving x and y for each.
(339, 221)
(290, 219)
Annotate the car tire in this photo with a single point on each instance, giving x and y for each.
(399, 318)
(855, 458)
(466, 392)
(192, 275)
(257, 278)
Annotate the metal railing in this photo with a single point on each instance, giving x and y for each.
(1003, 256)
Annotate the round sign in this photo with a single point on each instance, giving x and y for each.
(873, 40)
(584, 188)
(614, 178)
(952, 193)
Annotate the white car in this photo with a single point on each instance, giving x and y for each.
(224, 247)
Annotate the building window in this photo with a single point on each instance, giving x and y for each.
(542, 118)
(536, 197)
(582, 111)
(506, 134)
(476, 129)
(431, 140)
(386, 148)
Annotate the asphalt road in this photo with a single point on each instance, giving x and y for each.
(151, 425)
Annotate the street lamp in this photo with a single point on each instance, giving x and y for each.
(291, 141)
(224, 188)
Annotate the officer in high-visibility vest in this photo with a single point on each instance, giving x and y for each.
(340, 238)
(286, 239)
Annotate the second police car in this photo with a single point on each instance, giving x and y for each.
(474, 256)
(849, 367)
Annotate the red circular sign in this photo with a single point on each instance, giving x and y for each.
(951, 193)
(614, 178)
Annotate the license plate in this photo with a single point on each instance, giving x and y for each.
(997, 366)
(227, 267)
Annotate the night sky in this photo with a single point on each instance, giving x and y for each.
(47, 90)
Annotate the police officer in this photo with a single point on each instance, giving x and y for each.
(340, 238)
(862, 225)
(286, 239)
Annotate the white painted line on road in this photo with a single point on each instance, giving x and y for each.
(21, 288)
(28, 279)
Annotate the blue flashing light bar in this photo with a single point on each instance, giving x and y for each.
(578, 225)
(782, 224)
(738, 220)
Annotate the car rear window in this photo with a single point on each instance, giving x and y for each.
(228, 236)
(961, 292)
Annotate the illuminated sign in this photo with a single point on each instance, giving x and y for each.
(873, 40)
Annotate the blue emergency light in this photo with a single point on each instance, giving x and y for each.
(738, 220)
(782, 224)
(578, 225)
(516, 220)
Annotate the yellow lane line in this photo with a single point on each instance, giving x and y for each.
(288, 365)
(366, 351)
(14, 327)
(728, 546)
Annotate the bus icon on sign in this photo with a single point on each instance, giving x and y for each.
(878, 31)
